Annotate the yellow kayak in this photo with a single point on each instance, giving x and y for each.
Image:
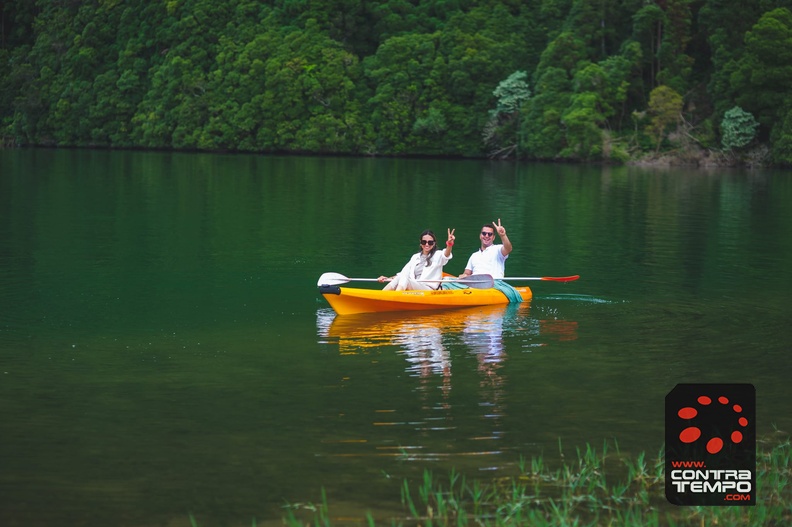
(349, 301)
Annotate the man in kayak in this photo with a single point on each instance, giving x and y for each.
(425, 268)
(491, 258)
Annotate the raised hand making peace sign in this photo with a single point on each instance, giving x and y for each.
(500, 228)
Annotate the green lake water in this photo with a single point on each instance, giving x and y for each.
(164, 350)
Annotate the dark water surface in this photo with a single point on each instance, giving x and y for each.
(164, 350)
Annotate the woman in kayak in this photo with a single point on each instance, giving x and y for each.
(425, 268)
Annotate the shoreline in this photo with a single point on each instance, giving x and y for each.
(756, 158)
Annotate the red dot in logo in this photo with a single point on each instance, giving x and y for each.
(736, 436)
(743, 421)
(704, 400)
(737, 408)
(714, 445)
(690, 434)
(687, 413)
(723, 400)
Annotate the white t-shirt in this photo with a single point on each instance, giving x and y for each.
(489, 261)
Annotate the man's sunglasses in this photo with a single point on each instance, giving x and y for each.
(487, 233)
(427, 242)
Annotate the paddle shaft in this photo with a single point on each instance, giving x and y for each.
(551, 278)
(463, 280)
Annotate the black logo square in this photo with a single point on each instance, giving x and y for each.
(710, 444)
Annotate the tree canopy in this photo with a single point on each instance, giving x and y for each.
(536, 79)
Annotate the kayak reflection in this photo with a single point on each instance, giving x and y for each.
(420, 335)
(423, 336)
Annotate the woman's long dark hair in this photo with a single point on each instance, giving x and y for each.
(434, 247)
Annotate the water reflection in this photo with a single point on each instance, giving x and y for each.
(424, 337)
(420, 336)
(457, 358)
(483, 336)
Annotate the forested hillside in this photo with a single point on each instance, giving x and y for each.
(580, 80)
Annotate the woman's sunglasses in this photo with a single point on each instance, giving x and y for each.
(427, 242)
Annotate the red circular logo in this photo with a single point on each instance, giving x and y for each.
(693, 433)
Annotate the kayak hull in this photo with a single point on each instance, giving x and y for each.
(350, 301)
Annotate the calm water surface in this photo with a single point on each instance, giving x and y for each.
(164, 351)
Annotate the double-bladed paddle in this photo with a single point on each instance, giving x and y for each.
(553, 278)
(477, 281)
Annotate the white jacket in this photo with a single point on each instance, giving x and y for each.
(434, 271)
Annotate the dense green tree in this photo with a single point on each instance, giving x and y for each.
(665, 108)
(675, 64)
(500, 134)
(552, 14)
(542, 131)
(476, 47)
(625, 89)
(605, 82)
(781, 137)
(16, 73)
(565, 52)
(595, 95)
(763, 78)
(738, 128)
(648, 24)
(400, 17)
(310, 100)
(16, 19)
(601, 23)
(723, 24)
(582, 122)
(512, 93)
(399, 93)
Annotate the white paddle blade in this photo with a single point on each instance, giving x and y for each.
(332, 279)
